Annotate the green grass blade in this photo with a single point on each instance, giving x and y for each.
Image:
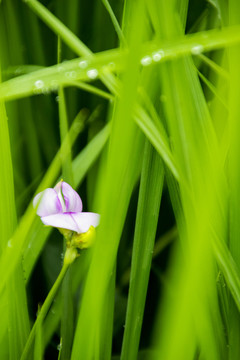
(229, 268)
(115, 194)
(213, 89)
(38, 346)
(189, 121)
(105, 337)
(67, 317)
(58, 27)
(114, 21)
(157, 139)
(7, 208)
(45, 80)
(218, 69)
(18, 321)
(234, 177)
(146, 224)
(64, 135)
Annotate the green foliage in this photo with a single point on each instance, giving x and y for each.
(135, 104)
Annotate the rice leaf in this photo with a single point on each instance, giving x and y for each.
(145, 230)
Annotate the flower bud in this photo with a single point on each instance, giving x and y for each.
(84, 240)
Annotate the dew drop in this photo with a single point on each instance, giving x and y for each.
(146, 60)
(9, 244)
(197, 49)
(39, 84)
(157, 55)
(57, 98)
(59, 347)
(92, 73)
(83, 64)
(73, 74)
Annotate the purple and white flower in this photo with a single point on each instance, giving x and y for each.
(61, 207)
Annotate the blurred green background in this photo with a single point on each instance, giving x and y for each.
(163, 174)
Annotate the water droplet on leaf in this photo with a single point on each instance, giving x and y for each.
(197, 49)
(83, 64)
(39, 84)
(158, 55)
(92, 73)
(146, 60)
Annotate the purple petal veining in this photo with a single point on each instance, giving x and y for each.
(61, 207)
(49, 203)
(85, 220)
(72, 200)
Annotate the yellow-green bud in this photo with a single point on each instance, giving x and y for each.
(84, 240)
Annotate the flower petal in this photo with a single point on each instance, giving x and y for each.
(86, 219)
(62, 221)
(79, 222)
(49, 203)
(58, 189)
(72, 200)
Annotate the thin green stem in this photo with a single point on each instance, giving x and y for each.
(60, 29)
(44, 309)
(114, 21)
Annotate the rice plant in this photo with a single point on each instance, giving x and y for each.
(120, 180)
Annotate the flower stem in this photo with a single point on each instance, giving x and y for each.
(44, 309)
